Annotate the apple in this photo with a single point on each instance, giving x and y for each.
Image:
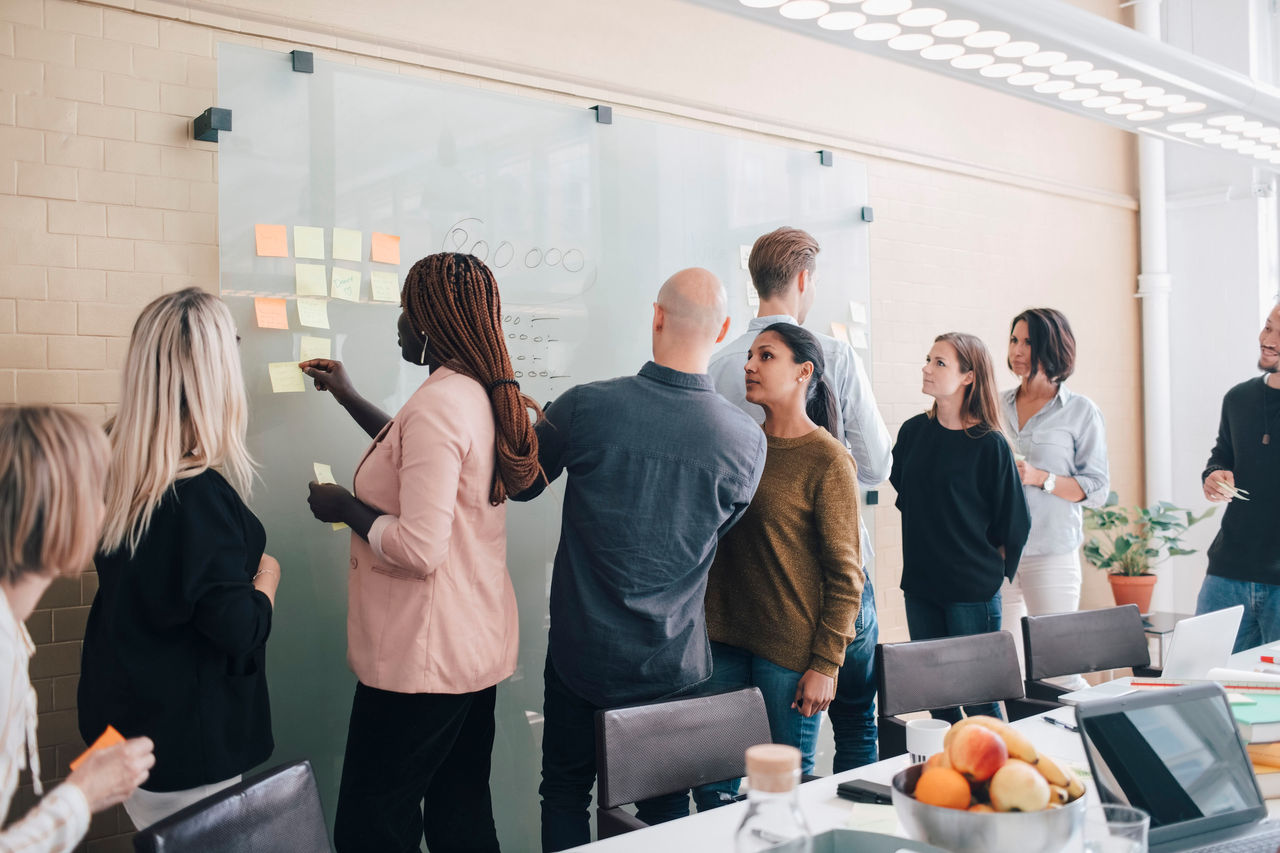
(978, 753)
(1018, 787)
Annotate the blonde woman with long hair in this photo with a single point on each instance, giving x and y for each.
(51, 464)
(964, 517)
(175, 646)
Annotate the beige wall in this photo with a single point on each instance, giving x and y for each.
(985, 204)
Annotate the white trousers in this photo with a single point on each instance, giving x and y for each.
(148, 807)
(1048, 583)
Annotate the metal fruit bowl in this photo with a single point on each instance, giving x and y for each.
(1050, 831)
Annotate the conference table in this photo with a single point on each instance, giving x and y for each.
(712, 831)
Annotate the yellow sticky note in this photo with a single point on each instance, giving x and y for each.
(348, 244)
(385, 248)
(324, 474)
(346, 284)
(839, 331)
(312, 347)
(286, 378)
(308, 242)
(384, 285)
(271, 241)
(310, 279)
(313, 313)
(271, 313)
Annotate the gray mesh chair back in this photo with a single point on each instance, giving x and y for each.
(648, 750)
(1084, 641)
(929, 675)
(278, 810)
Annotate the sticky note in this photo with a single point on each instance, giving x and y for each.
(858, 339)
(858, 312)
(109, 738)
(310, 279)
(346, 284)
(272, 241)
(271, 313)
(324, 474)
(744, 256)
(839, 331)
(313, 313)
(384, 285)
(385, 248)
(348, 244)
(312, 347)
(286, 377)
(308, 242)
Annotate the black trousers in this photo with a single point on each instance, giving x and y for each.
(417, 764)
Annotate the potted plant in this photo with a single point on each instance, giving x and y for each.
(1134, 540)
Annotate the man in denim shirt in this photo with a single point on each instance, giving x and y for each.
(660, 466)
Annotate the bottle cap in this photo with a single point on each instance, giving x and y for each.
(773, 767)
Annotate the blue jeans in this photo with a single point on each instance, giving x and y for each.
(569, 770)
(733, 668)
(853, 711)
(1261, 620)
(931, 620)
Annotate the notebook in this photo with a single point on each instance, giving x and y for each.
(1175, 754)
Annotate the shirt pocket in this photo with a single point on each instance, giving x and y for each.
(1053, 450)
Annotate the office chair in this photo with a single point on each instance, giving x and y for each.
(1084, 641)
(278, 810)
(649, 750)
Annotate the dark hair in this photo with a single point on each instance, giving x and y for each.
(453, 298)
(778, 257)
(1053, 346)
(820, 403)
(979, 405)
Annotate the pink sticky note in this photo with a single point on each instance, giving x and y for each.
(272, 241)
(271, 313)
(385, 248)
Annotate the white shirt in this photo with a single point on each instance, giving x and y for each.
(59, 820)
(858, 419)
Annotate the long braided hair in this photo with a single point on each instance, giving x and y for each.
(453, 298)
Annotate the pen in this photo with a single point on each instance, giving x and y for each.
(1054, 721)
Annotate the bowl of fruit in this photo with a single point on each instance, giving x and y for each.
(990, 791)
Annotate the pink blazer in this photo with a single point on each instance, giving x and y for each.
(431, 607)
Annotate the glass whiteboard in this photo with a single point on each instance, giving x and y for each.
(581, 223)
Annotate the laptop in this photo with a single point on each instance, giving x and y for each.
(1176, 754)
(1198, 644)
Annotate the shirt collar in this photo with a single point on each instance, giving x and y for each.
(668, 376)
(11, 627)
(758, 323)
(1063, 396)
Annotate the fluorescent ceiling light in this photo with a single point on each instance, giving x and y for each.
(1103, 70)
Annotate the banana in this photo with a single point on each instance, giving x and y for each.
(1057, 795)
(1057, 777)
(1017, 743)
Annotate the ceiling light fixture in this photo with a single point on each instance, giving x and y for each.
(1105, 71)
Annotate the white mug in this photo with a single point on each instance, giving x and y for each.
(925, 737)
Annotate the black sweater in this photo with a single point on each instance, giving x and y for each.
(175, 646)
(1247, 547)
(961, 500)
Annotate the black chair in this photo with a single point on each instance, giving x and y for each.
(650, 750)
(1084, 641)
(278, 810)
(932, 675)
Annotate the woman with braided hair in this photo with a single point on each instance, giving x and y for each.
(431, 626)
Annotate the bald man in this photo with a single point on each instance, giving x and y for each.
(659, 467)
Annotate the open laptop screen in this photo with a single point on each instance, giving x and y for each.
(1174, 753)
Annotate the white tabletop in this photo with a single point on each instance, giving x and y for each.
(712, 831)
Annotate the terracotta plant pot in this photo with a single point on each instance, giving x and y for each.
(1133, 590)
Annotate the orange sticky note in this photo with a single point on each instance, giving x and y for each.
(272, 241)
(385, 248)
(110, 737)
(271, 313)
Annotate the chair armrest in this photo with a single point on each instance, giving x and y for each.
(892, 735)
(616, 821)
(1043, 691)
(1020, 709)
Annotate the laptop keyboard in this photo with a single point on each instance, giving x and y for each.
(1264, 842)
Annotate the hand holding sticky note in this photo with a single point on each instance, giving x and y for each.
(107, 739)
(324, 474)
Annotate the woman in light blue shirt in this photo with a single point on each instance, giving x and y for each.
(1060, 445)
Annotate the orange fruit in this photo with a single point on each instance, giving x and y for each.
(942, 786)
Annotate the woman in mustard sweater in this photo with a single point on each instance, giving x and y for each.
(786, 584)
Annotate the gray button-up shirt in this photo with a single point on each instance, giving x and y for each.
(659, 467)
(1067, 438)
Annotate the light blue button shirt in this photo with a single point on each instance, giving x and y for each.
(1066, 438)
(858, 419)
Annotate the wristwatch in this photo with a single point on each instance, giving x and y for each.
(1050, 483)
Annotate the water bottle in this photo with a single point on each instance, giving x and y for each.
(774, 820)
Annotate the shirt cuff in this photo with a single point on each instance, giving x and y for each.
(379, 526)
(72, 802)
